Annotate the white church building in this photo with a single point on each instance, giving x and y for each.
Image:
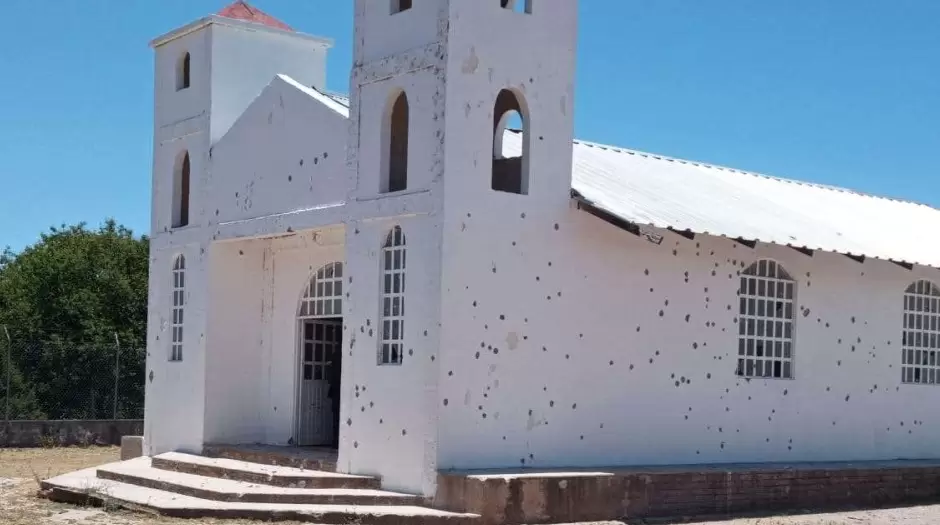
(433, 274)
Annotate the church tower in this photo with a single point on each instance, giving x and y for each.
(206, 74)
(461, 123)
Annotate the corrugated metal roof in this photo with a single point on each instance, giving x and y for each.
(663, 192)
(652, 190)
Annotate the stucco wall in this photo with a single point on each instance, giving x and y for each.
(286, 153)
(586, 345)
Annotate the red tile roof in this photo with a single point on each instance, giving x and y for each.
(240, 10)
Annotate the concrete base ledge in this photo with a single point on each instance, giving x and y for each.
(571, 496)
(29, 434)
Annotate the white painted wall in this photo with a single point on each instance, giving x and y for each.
(244, 60)
(569, 352)
(285, 153)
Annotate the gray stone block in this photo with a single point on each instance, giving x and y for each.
(131, 447)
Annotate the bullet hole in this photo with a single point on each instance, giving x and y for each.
(687, 317)
(502, 317)
(839, 363)
(651, 290)
(574, 406)
(638, 329)
(549, 263)
(544, 349)
(827, 325)
(651, 360)
(478, 355)
(411, 352)
(404, 432)
(290, 178)
(675, 252)
(513, 243)
(677, 384)
(349, 422)
(611, 363)
(827, 389)
(695, 346)
(494, 268)
(582, 438)
(425, 333)
(847, 398)
(722, 445)
(686, 417)
(657, 352)
(522, 216)
(785, 392)
(661, 313)
(537, 278)
(672, 376)
(551, 404)
(708, 376)
(853, 319)
(474, 304)
(602, 425)
(806, 312)
(631, 367)
(647, 272)
(556, 226)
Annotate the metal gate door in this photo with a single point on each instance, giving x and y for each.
(320, 347)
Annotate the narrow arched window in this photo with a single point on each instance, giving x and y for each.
(920, 339)
(395, 167)
(183, 72)
(510, 144)
(176, 312)
(181, 180)
(765, 321)
(392, 325)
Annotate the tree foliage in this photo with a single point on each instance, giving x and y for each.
(63, 300)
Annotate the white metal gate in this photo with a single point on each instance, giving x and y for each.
(321, 330)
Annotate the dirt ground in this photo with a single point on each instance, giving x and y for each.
(21, 470)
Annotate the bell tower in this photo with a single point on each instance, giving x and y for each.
(461, 122)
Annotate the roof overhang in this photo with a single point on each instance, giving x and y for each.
(231, 22)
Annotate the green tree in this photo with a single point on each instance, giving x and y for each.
(63, 300)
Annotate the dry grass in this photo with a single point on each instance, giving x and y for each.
(19, 504)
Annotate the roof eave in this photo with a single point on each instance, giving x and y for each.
(232, 22)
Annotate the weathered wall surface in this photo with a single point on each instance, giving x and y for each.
(583, 345)
(67, 433)
(286, 153)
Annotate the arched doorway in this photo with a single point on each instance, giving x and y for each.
(320, 327)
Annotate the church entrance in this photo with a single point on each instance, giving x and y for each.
(320, 329)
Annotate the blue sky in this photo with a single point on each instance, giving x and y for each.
(806, 89)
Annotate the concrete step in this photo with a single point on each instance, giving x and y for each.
(310, 458)
(85, 487)
(259, 473)
(140, 472)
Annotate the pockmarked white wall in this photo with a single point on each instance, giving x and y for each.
(570, 342)
(285, 153)
(175, 391)
(388, 426)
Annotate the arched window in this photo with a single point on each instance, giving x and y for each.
(182, 72)
(395, 167)
(510, 144)
(765, 321)
(181, 191)
(519, 6)
(392, 336)
(179, 303)
(323, 296)
(921, 335)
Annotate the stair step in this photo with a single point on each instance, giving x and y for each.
(84, 486)
(311, 458)
(258, 473)
(140, 472)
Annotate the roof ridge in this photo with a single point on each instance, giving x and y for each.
(720, 167)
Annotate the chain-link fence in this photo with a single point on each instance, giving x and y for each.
(52, 379)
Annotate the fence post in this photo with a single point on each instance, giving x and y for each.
(117, 373)
(9, 381)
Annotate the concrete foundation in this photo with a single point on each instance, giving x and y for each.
(562, 497)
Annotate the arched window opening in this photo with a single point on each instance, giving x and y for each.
(323, 296)
(765, 321)
(176, 312)
(183, 72)
(181, 179)
(392, 337)
(519, 6)
(396, 140)
(920, 338)
(400, 5)
(510, 145)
